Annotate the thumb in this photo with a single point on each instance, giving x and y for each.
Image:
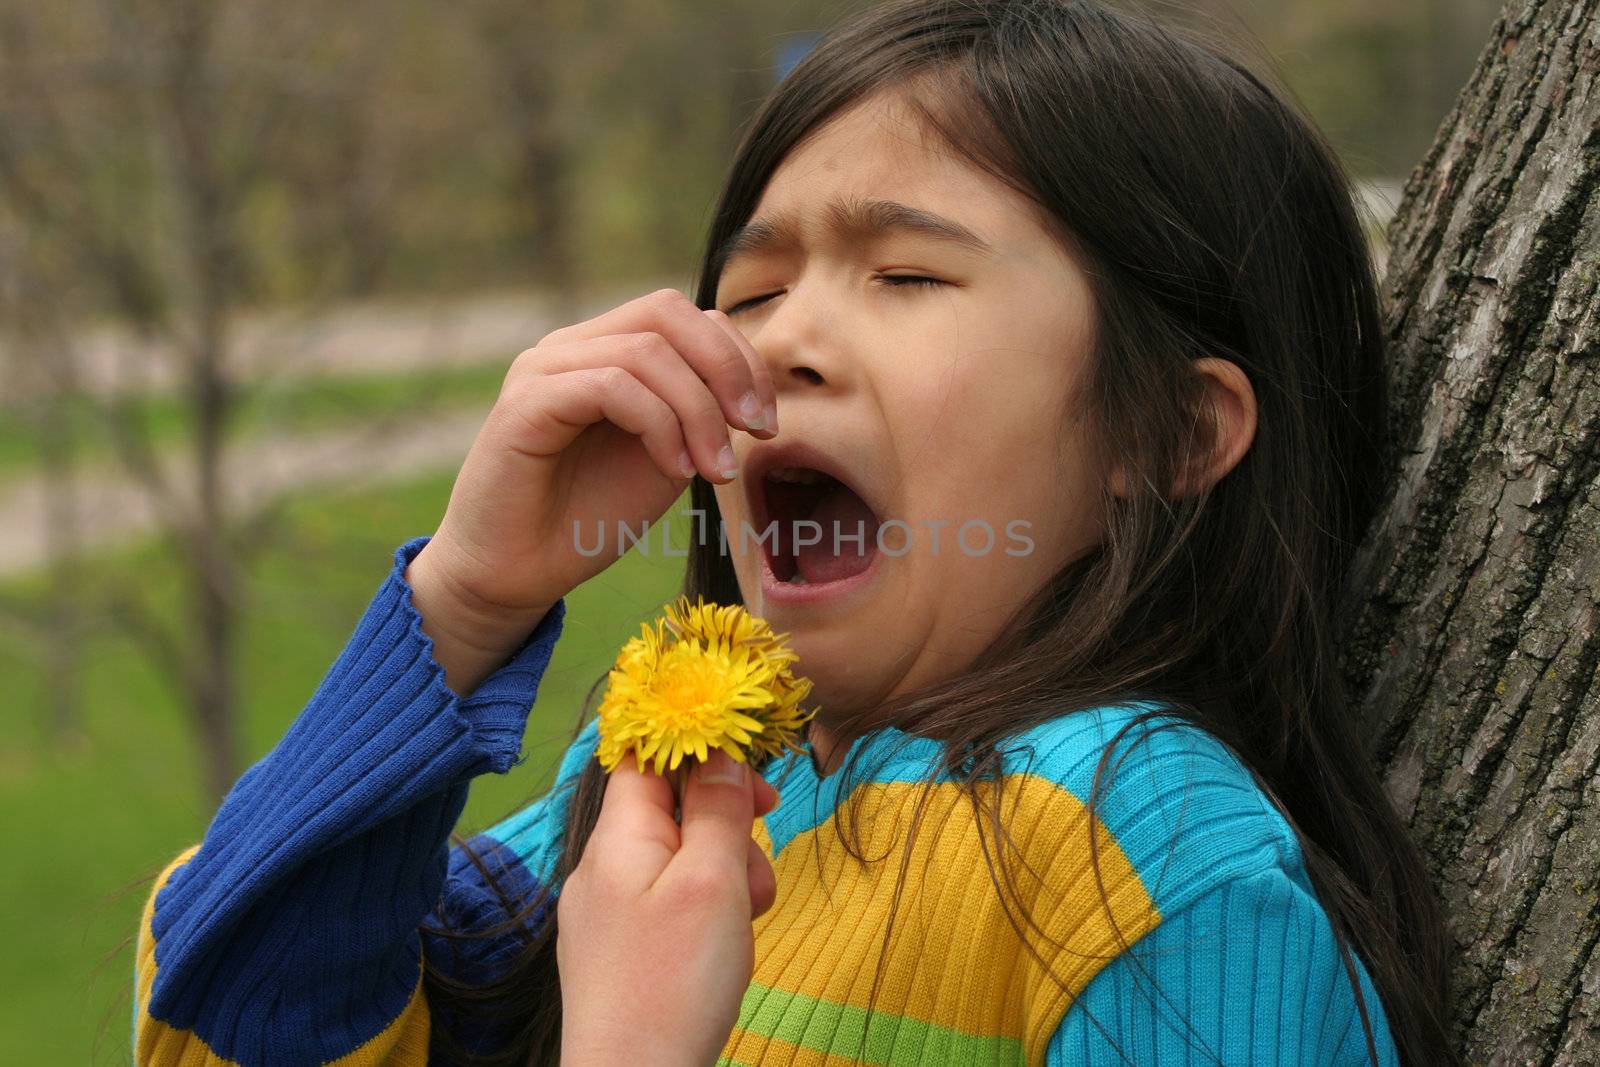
(718, 811)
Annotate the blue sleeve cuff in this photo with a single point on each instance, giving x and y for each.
(497, 710)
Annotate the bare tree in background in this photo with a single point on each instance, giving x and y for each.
(632, 107)
(43, 384)
(172, 168)
(529, 46)
(1473, 632)
(135, 139)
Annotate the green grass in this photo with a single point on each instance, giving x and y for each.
(78, 825)
(291, 405)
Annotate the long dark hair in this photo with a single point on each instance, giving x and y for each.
(1213, 220)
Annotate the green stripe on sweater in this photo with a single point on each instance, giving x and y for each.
(876, 1037)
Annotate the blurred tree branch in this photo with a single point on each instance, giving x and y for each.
(130, 162)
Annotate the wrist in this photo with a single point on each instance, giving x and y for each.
(579, 1051)
(471, 637)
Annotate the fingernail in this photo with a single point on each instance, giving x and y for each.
(771, 419)
(750, 411)
(686, 465)
(722, 769)
(727, 463)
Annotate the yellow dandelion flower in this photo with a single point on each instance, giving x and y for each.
(703, 676)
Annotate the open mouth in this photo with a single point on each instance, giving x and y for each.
(815, 528)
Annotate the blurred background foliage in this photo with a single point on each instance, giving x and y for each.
(262, 268)
(492, 142)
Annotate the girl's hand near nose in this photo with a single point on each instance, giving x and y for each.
(600, 422)
(653, 937)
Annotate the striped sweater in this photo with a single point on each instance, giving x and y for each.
(294, 932)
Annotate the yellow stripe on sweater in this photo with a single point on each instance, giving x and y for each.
(403, 1043)
(954, 960)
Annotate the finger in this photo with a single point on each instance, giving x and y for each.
(635, 835)
(651, 359)
(763, 881)
(715, 357)
(718, 814)
(553, 410)
(766, 796)
(758, 369)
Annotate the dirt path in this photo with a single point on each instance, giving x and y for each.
(374, 337)
(111, 510)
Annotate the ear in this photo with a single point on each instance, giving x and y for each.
(1229, 413)
(1226, 428)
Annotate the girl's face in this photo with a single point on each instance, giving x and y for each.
(943, 408)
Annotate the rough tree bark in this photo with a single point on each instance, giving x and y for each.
(1471, 623)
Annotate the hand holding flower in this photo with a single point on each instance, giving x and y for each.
(654, 942)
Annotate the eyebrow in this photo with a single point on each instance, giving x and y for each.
(847, 219)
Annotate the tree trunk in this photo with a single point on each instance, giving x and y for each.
(524, 42)
(1472, 640)
(207, 205)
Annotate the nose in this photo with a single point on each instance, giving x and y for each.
(808, 375)
(801, 345)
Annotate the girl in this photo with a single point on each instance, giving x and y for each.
(1073, 337)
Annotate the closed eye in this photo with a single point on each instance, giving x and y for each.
(744, 304)
(894, 281)
(919, 280)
